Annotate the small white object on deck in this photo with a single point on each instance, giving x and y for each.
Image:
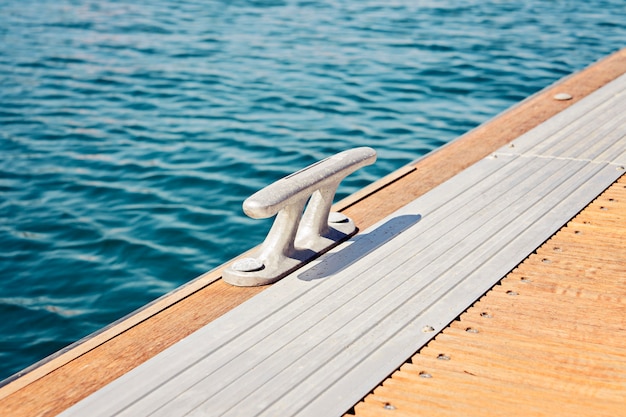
(563, 96)
(323, 337)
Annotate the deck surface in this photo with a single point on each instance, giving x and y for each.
(321, 338)
(549, 340)
(61, 380)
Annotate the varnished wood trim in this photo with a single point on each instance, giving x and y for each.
(373, 188)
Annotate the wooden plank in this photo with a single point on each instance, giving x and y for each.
(550, 340)
(71, 375)
(313, 347)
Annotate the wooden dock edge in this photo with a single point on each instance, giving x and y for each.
(63, 379)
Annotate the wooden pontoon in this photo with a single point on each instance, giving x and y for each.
(547, 338)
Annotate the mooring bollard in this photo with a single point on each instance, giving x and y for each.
(297, 237)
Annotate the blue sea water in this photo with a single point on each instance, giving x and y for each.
(131, 131)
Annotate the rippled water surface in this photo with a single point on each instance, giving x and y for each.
(131, 131)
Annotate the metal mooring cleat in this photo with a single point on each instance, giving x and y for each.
(297, 237)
